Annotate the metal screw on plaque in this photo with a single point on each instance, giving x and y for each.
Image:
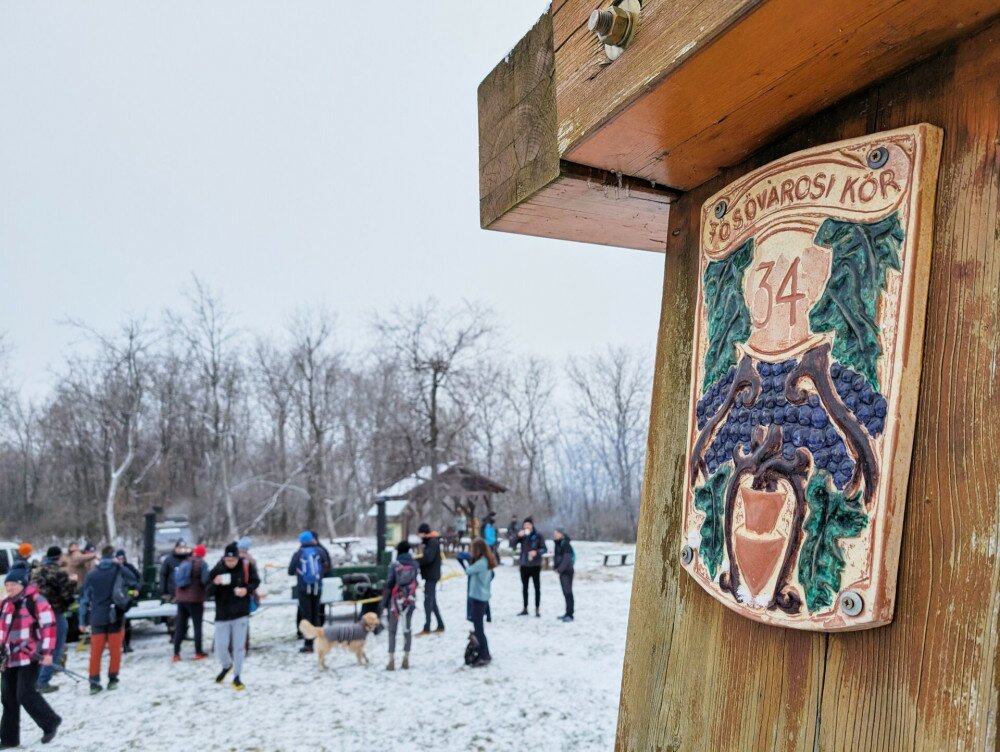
(687, 555)
(720, 209)
(615, 26)
(878, 157)
(851, 603)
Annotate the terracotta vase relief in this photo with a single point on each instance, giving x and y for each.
(808, 338)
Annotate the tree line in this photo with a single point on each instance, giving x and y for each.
(272, 434)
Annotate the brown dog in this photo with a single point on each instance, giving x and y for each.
(350, 637)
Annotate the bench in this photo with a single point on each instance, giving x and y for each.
(616, 554)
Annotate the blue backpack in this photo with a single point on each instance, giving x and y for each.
(182, 574)
(310, 566)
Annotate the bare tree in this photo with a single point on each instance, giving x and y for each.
(528, 395)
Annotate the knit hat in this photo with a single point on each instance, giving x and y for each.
(232, 550)
(19, 575)
(403, 547)
(120, 554)
(306, 537)
(199, 550)
(89, 548)
(423, 529)
(244, 543)
(25, 550)
(54, 552)
(180, 542)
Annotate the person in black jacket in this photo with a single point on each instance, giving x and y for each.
(309, 565)
(562, 562)
(532, 547)
(430, 571)
(122, 558)
(170, 562)
(232, 583)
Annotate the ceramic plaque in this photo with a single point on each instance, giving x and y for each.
(808, 336)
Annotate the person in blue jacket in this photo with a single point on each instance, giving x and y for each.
(480, 574)
(490, 535)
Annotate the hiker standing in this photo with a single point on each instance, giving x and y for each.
(490, 535)
(232, 583)
(122, 559)
(190, 581)
(56, 587)
(400, 599)
(430, 570)
(532, 547)
(28, 632)
(23, 555)
(563, 557)
(77, 564)
(103, 602)
(480, 575)
(170, 562)
(309, 564)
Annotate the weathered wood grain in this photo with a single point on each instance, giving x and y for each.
(707, 83)
(698, 677)
(593, 206)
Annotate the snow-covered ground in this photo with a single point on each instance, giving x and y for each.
(551, 685)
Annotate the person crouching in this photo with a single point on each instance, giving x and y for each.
(28, 632)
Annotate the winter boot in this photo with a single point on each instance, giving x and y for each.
(538, 612)
(391, 665)
(406, 661)
(238, 685)
(440, 628)
(112, 681)
(50, 734)
(95, 685)
(524, 612)
(222, 675)
(424, 632)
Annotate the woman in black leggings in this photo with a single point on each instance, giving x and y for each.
(532, 547)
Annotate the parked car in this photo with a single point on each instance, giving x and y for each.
(8, 550)
(169, 530)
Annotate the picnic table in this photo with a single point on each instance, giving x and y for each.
(616, 554)
(345, 544)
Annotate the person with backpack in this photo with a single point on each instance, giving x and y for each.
(400, 599)
(170, 562)
(104, 599)
(563, 559)
(232, 583)
(57, 588)
(190, 581)
(122, 558)
(480, 574)
(430, 570)
(309, 565)
(532, 547)
(28, 637)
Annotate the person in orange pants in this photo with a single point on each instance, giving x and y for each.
(105, 620)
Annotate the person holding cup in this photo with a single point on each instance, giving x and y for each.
(232, 583)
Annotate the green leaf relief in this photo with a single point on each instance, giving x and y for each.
(710, 499)
(831, 517)
(848, 307)
(728, 315)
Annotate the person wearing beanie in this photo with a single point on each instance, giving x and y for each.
(105, 620)
(170, 563)
(430, 571)
(532, 549)
(23, 553)
(309, 564)
(191, 581)
(400, 599)
(28, 630)
(57, 588)
(232, 583)
(563, 558)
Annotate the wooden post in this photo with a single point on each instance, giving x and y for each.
(698, 677)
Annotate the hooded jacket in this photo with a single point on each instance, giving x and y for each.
(532, 541)
(430, 561)
(96, 603)
(228, 605)
(562, 555)
(390, 581)
(301, 588)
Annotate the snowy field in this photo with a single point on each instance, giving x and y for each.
(551, 685)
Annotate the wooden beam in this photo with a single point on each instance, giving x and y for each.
(699, 677)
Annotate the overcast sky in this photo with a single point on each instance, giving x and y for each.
(288, 154)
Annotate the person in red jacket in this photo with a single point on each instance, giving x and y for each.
(28, 636)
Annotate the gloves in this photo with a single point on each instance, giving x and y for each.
(463, 556)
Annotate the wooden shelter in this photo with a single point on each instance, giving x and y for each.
(625, 152)
(461, 490)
